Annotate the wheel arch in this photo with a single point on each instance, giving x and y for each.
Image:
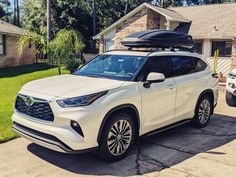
(127, 108)
(210, 93)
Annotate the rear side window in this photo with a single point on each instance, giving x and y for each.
(158, 64)
(182, 65)
(199, 65)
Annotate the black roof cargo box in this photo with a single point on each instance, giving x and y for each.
(158, 39)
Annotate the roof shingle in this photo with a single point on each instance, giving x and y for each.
(210, 21)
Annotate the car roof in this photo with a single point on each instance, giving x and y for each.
(153, 53)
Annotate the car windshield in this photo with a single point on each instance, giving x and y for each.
(119, 67)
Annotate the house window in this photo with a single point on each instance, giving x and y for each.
(109, 44)
(109, 40)
(2, 44)
(225, 48)
(197, 47)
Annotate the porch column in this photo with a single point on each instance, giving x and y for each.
(233, 56)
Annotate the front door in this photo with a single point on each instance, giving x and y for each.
(158, 101)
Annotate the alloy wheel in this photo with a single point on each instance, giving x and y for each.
(204, 111)
(119, 137)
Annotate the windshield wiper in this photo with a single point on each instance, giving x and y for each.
(95, 76)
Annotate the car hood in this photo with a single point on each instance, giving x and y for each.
(67, 86)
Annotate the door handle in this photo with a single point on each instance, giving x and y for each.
(171, 87)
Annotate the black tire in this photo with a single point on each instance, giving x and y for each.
(103, 151)
(230, 99)
(203, 114)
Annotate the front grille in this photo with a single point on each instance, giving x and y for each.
(34, 107)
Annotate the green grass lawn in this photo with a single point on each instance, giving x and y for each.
(11, 80)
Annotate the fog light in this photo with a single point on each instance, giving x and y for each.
(75, 125)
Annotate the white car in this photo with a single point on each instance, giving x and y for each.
(115, 98)
(231, 88)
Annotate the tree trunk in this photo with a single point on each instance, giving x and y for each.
(59, 69)
(17, 13)
(48, 20)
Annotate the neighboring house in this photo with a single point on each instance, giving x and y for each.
(212, 27)
(9, 55)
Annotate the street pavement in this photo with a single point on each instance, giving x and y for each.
(180, 152)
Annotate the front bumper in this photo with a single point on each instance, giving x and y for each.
(57, 135)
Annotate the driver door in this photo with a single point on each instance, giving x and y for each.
(158, 101)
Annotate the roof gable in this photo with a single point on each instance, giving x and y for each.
(167, 13)
(8, 28)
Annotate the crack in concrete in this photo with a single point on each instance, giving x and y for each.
(147, 159)
(186, 152)
(190, 153)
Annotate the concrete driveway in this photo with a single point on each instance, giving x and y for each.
(182, 151)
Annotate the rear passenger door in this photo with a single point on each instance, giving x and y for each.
(189, 78)
(158, 101)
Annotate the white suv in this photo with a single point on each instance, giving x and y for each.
(115, 98)
(231, 88)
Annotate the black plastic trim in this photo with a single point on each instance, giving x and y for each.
(176, 124)
(112, 111)
(20, 128)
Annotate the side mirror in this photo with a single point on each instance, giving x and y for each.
(154, 78)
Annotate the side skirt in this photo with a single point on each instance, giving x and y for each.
(176, 124)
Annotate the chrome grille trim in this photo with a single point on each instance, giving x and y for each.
(33, 108)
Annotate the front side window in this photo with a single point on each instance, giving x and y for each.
(182, 65)
(119, 67)
(2, 44)
(224, 47)
(158, 64)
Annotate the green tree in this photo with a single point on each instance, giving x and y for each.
(34, 16)
(64, 47)
(37, 41)
(2, 12)
(5, 10)
(109, 11)
(74, 15)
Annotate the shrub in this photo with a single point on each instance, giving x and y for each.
(72, 64)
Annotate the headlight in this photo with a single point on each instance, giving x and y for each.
(80, 101)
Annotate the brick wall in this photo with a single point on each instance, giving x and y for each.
(153, 19)
(136, 23)
(12, 57)
(233, 56)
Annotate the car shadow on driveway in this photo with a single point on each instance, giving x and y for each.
(153, 153)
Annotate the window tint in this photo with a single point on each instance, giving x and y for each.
(159, 65)
(182, 65)
(199, 65)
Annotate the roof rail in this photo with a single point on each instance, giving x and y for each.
(173, 49)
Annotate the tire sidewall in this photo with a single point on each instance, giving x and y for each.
(196, 119)
(104, 152)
